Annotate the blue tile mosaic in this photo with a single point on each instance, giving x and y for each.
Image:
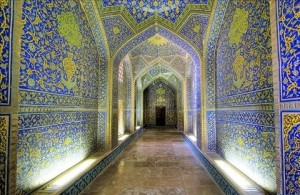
(143, 10)
(288, 32)
(6, 18)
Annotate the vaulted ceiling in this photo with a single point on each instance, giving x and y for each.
(158, 50)
(127, 22)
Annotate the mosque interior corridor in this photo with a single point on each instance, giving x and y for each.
(149, 97)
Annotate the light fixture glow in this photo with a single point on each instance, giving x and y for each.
(122, 138)
(193, 138)
(236, 177)
(72, 174)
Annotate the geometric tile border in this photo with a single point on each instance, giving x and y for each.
(6, 17)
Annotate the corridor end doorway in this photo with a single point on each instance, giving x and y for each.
(160, 115)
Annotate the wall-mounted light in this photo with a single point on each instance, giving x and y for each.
(236, 177)
(123, 137)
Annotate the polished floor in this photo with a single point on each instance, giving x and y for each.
(158, 162)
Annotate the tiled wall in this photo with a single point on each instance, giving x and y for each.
(243, 96)
(7, 110)
(5, 48)
(102, 46)
(59, 86)
(4, 144)
(286, 58)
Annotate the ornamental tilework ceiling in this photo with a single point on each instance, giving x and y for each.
(194, 29)
(5, 49)
(59, 71)
(116, 31)
(142, 10)
(244, 78)
(155, 50)
(150, 32)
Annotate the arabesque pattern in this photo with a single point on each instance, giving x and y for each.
(59, 71)
(288, 30)
(5, 49)
(290, 148)
(244, 79)
(142, 10)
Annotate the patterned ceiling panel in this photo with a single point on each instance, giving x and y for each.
(117, 31)
(168, 58)
(150, 32)
(176, 63)
(146, 79)
(179, 64)
(144, 9)
(194, 29)
(157, 46)
(180, 43)
(137, 65)
(148, 58)
(160, 72)
(159, 49)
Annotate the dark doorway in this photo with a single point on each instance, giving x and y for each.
(160, 115)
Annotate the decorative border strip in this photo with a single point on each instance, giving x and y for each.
(100, 37)
(264, 96)
(211, 131)
(29, 98)
(287, 180)
(33, 120)
(253, 117)
(5, 125)
(210, 53)
(6, 56)
(88, 177)
(285, 55)
(220, 180)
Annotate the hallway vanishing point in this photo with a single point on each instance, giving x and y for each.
(158, 162)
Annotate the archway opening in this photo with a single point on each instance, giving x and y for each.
(160, 108)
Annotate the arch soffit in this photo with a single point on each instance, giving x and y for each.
(163, 80)
(145, 71)
(142, 36)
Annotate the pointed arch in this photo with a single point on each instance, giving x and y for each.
(132, 43)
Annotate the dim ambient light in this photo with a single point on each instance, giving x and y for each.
(123, 137)
(237, 177)
(70, 175)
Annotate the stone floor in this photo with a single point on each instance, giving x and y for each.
(158, 162)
